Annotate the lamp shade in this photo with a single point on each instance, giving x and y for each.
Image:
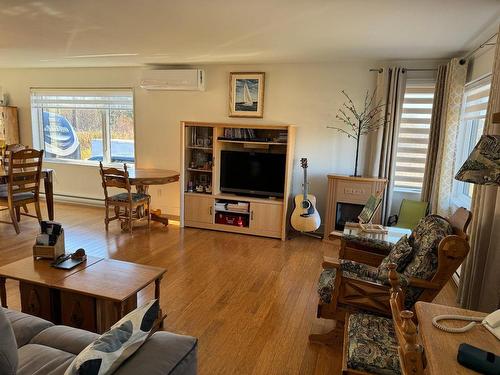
(482, 167)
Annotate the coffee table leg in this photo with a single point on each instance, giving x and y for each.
(157, 296)
(120, 310)
(3, 292)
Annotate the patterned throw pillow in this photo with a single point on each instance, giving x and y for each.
(425, 239)
(400, 254)
(110, 350)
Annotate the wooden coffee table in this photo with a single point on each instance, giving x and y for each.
(91, 296)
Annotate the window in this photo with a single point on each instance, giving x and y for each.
(84, 126)
(475, 104)
(413, 138)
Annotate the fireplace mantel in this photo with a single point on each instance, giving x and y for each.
(351, 190)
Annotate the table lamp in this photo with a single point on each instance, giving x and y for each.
(482, 167)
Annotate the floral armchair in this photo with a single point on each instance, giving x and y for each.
(425, 261)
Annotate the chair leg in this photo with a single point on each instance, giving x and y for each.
(25, 208)
(106, 217)
(14, 219)
(130, 211)
(149, 214)
(18, 213)
(38, 211)
(334, 337)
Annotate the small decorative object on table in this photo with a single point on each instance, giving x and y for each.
(67, 262)
(366, 216)
(360, 123)
(50, 242)
(246, 95)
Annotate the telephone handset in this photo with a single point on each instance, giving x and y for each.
(491, 323)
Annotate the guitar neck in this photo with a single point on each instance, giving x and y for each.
(305, 184)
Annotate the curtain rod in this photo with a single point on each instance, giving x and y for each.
(462, 60)
(482, 45)
(380, 70)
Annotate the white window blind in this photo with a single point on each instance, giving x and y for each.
(475, 105)
(413, 138)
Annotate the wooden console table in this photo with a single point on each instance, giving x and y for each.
(91, 296)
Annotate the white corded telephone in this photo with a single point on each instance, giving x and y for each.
(491, 323)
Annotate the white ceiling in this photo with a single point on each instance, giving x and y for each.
(38, 33)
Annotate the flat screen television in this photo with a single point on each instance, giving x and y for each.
(252, 173)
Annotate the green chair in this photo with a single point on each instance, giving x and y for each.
(410, 213)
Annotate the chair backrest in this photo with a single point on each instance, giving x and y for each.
(460, 220)
(115, 178)
(24, 167)
(411, 355)
(14, 147)
(410, 213)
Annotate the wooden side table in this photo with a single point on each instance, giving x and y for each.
(441, 347)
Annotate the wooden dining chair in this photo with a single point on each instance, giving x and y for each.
(129, 201)
(24, 171)
(13, 147)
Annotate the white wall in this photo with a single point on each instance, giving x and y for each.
(305, 95)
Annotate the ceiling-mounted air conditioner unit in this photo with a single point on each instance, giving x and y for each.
(173, 79)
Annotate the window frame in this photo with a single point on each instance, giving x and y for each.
(412, 82)
(38, 135)
(464, 139)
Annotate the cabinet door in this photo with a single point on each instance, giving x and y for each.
(10, 125)
(266, 217)
(198, 208)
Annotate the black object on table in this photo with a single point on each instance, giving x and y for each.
(478, 360)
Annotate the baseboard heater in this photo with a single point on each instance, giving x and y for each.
(77, 199)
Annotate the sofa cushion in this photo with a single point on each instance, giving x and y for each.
(8, 346)
(110, 350)
(400, 254)
(372, 345)
(71, 340)
(123, 197)
(25, 326)
(163, 353)
(37, 359)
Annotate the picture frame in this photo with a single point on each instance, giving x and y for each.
(246, 94)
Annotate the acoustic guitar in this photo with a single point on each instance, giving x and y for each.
(305, 216)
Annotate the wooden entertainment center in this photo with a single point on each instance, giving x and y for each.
(203, 205)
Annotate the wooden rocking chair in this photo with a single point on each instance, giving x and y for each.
(374, 344)
(353, 294)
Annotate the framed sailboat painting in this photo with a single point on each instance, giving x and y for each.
(246, 94)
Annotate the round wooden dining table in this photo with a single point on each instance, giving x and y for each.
(142, 178)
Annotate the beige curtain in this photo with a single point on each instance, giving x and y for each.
(434, 136)
(391, 85)
(445, 159)
(479, 287)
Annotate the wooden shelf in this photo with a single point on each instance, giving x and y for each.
(232, 212)
(199, 170)
(200, 148)
(267, 217)
(254, 142)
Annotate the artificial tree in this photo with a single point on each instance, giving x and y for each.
(371, 118)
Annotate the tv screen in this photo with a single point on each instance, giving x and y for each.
(253, 173)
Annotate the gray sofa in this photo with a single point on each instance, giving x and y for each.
(47, 349)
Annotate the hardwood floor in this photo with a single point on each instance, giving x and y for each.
(251, 301)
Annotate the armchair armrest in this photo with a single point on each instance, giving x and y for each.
(420, 283)
(331, 262)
